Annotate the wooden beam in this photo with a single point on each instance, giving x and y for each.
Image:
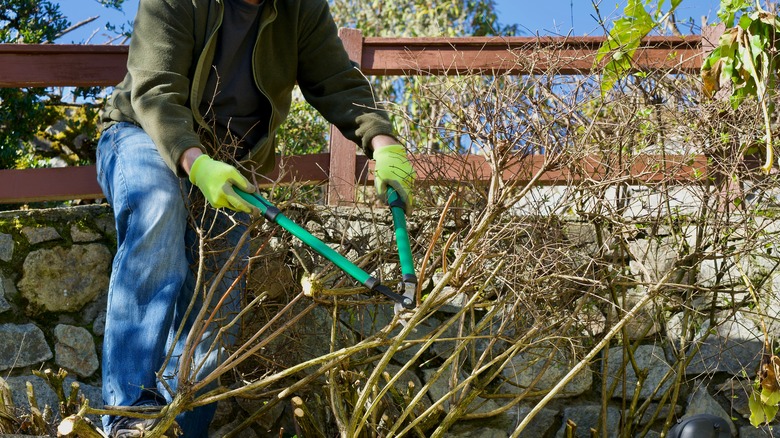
(67, 183)
(644, 169)
(61, 65)
(53, 184)
(28, 65)
(299, 169)
(518, 55)
(341, 187)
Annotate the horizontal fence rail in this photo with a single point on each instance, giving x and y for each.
(517, 55)
(342, 169)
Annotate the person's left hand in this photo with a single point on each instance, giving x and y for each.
(394, 169)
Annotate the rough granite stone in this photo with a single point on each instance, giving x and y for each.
(701, 402)
(37, 235)
(75, 350)
(587, 417)
(526, 367)
(759, 432)
(81, 236)
(647, 357)
(22, 345)
(107, 225)
(646, 323)
(580, 234)
(99, 325)
(734, 346)
(540, 425)
(656, 256)
(660, 412)
(224, 430)
(64, 280)
(6, 247)
(736, 393)
(476, 432)
(249, 406)
(441, 387)
(5, 284)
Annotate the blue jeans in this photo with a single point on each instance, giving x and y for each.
(152, 279)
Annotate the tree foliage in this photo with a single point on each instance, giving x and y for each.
(23, 111)
(114, 4)
(30, 21)
(416, 18)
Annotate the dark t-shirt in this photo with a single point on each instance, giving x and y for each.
(232, 104)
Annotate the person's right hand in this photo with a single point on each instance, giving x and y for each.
(216, 180)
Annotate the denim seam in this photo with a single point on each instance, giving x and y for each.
(120, 174)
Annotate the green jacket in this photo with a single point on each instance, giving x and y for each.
(171, 53)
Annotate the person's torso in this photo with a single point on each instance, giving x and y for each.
(232, 105)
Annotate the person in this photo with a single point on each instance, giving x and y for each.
(208, 84)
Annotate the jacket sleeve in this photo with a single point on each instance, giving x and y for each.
(161, 51)
(334, 85)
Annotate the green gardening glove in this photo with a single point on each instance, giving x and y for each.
(216, 180)
(394, 169)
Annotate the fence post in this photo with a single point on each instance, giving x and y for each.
(341, 184)
(710, 36)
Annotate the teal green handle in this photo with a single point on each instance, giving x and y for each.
(401, 234)
(273, 214)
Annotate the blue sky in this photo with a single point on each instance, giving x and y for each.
(545, 17)
(554, 17)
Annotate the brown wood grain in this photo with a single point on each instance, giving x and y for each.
(61, 65)
(66, 183)
(341, 187)
(518, 55)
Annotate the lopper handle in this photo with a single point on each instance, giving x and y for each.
(397, 208)
(273, 214)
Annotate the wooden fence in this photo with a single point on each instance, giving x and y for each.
(341, 168)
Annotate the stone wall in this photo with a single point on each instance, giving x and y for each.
(54, 268)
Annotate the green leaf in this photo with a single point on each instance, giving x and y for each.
(735, 100)
(759, 412)
(730, 8)
(622, 42)
(711, 59)
(757, 45)
(748, 64)
(745, 21)
(771, 398)
(727, 70)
